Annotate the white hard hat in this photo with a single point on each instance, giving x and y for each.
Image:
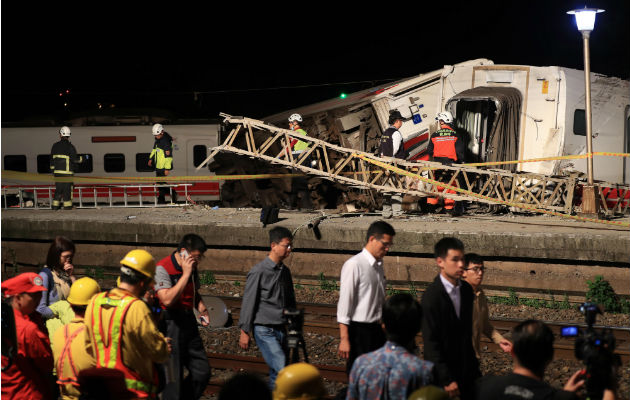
(445, 116)
(64, 131)
(295, 117)
(157, 129)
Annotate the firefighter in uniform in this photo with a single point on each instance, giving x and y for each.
(28, 375)
(392, 146)
(447, 147)
(299, 185)
(68, 342)
(177, 285)
(162, 158)
(63, 158)
(121, 330)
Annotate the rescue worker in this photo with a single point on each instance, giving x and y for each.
(68, 342)
(392, 146)
(162, 158)
(63, 160)
(299, 381)
(299, 185)
(177, 284)
(447, 147)
(121, 330)
(29, 374)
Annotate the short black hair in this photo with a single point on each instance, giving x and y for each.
(192, 242)
(78, 309)
(378, 229)
(533, 345)
(278, 233)
(445, 244)
(402, 316)
(472, 258)
(245, 386)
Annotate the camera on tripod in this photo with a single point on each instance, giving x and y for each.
(295, 339)
(596, 350)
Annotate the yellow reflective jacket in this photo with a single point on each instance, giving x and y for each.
(158, 155)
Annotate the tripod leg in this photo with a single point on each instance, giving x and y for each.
(303, 345)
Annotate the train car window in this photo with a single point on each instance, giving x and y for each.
(86, 166)
(200, 152)
(579, 123)
(15, 163)
(43, 164)
(142, 163)
(114, 162)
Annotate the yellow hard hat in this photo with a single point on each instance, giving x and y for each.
(141, 261)
(82, 291)
(429, 392)
(299, 381)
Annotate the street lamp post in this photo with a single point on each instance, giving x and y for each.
(585, 20)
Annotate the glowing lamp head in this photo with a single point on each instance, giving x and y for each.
(585, 18)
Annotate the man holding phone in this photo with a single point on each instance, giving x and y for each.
(177, 287)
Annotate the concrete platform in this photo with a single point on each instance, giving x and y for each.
(531, 237)
(535, 255)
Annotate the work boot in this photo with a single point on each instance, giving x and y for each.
(174, 197)
(67, 207)
(56, 208)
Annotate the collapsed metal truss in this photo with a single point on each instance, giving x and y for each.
(255, 139)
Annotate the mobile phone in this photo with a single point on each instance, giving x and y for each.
(184, 253)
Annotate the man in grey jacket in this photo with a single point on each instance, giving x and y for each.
(268, 291)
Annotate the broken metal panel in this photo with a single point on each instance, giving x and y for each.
(364, 171)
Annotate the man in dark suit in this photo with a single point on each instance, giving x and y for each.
(447, 322)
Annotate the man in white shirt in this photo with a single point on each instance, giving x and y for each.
(362, 295)
(447, 306)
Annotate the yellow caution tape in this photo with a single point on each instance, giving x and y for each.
(573, 157)
(480, 196)
(30, 177)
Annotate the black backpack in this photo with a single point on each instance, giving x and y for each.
(269, 215)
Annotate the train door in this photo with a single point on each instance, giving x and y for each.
(197, 150)
(474, 119)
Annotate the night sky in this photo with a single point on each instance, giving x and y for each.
(262, 60)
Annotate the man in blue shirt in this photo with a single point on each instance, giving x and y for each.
(393, 371)
(269, 291)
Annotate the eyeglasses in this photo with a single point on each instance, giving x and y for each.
(288, 246)
(477, 270)
(387, 244)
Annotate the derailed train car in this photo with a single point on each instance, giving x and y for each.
(507, 112)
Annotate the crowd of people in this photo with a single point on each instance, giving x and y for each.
(141, 339)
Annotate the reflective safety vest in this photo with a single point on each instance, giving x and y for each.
(300, 145)
(158, 154)
(65, 358)
(444, 144)
(107, 346)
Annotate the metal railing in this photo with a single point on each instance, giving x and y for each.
(102, 196)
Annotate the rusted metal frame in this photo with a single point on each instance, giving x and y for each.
(366, 172)
(554, 194)
(528, 192)
(251, 139)
(338, 168)
(231, 141)
(603, 201)
(378, 175)
(325, 150)
(268, 143)
(502, 186)
(217, 149)
(305, 155)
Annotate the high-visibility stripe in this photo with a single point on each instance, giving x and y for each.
(63, 379)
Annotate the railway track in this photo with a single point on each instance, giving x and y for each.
(322, 319)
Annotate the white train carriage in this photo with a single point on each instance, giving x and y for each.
(114, 151)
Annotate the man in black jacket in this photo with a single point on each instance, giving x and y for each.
(63, 158)
(392, 145)
(447, 322)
